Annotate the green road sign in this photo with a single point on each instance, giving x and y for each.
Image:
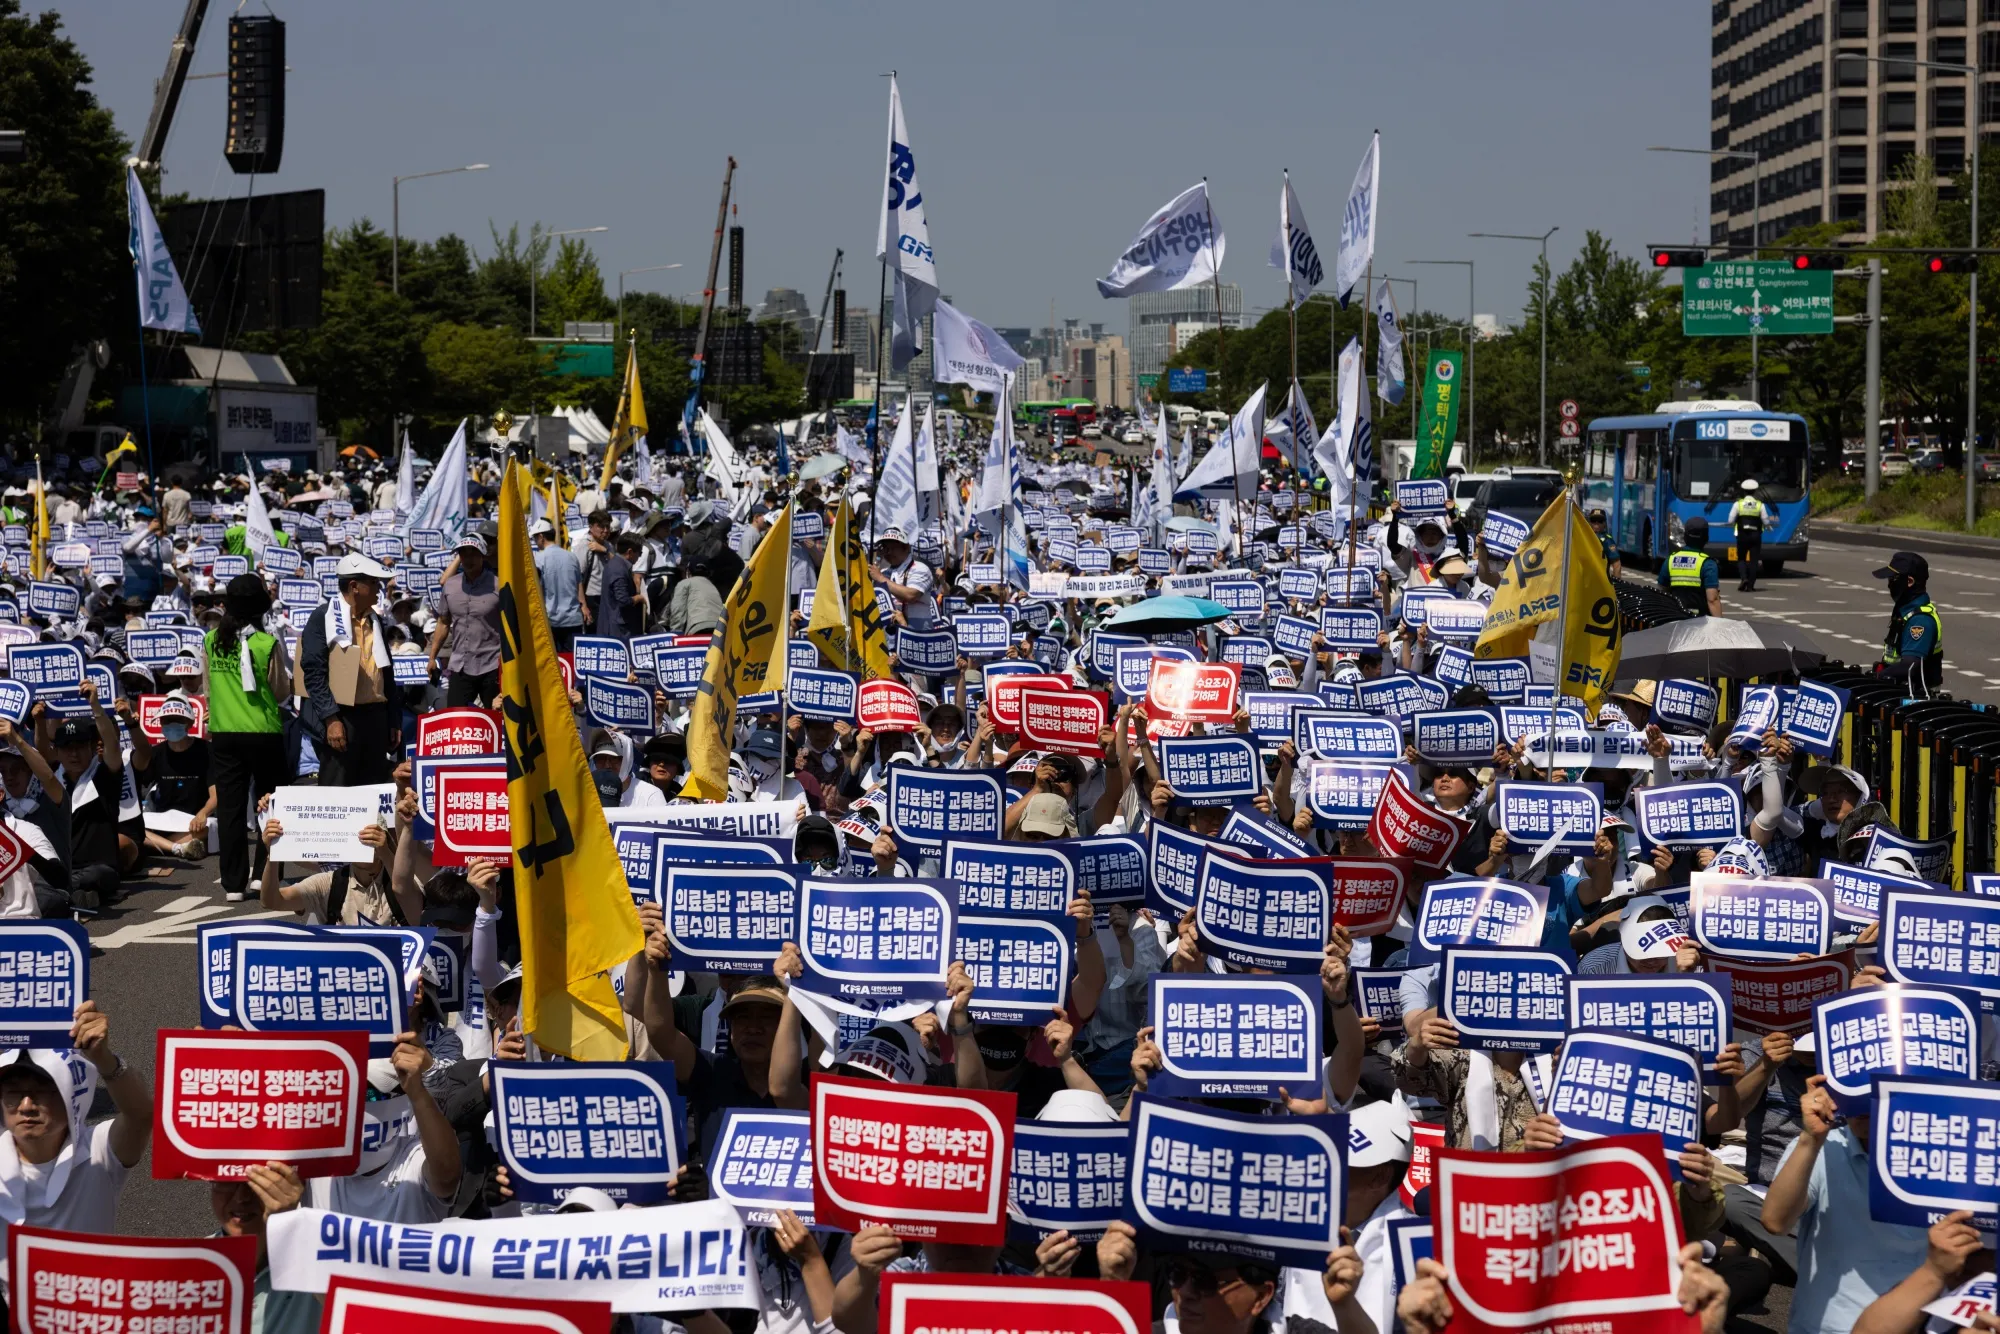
(1764, 296)
(1149, 381)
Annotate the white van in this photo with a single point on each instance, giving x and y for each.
(1214, 421)
(1184, 416)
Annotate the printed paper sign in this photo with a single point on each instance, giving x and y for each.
(982, 634)
(870, 944)
(1175, 857)
(1033, 879)
(225, 1102)
(1519, 723)
(73, 1282)
(601, 655)
(317, 981)
(1419, 500)
(1770, 920)
(762, 1164)
(1505, 999)
(929, 1164)
(933, 1303)
(1688, 815)
(1562, 816)
(1265, 914)
(1813, 714)
(1111, 868)
(1688, 1010)
(46, 669)
(1857, 891)
(1003, 695)
(1298, 585)
(1942, 939)
(1214, 1183)
(612, 1125)
(1368, 892)
(424, 775)
(1894, 1028)
(1068, 721)
(1211, 770)
(726, 919)
(44, 976)
(1192, 691)
(1609, 1083)
(1469, 913)
(155, 648)
(473, 817)
(1331, 735)
(1405, 825)
(1779, 997)
(1248, 828)
(1020, 966)
(321, 824)
(460, 731)
(361, 1306)
(888, 706)
(928, 807)
(1682, 703)
(1932, 1150)
(1235, 1036)
(1067, 1177)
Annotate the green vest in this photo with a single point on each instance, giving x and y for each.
(229, 708)
(1895, 650)
(1684, 569)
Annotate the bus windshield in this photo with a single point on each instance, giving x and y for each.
(1713, 471)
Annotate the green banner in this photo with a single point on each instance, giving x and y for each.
(1438, 425)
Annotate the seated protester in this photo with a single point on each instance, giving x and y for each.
(1774, 827)
(902, 1051)
(1771, 1095)
(347, 895)
(1834, 791)
(56, 1169)
(739, 1076)
(419, 1175)
(36, 819)
(1957, 1252)
(243, 1209)
(90, 770)
(663, 763)
(1223, 1295)
(1598, 883)
(1642, 946)
(614, 765)
(944, 738)
(1131, 956)
(174, 776)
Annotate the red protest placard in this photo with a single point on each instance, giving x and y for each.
(1405, 825)
(566, 664)
(930, 1164)
(1779, 997)
(225, 1101)
(148, 711)
(1003, 696)
(1425, 1141)
(1584, 1237)
(1193, 692)
(911, 1303)
(359, 1306)
(127, 481)
(473, 819)
(1368, 893)
(1071, 721)
(888, 706)
(77, 1282)
(462, 731)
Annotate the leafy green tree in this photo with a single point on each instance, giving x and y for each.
(475, 369)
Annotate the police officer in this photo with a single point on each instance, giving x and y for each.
(1613, 562)
(1691, 575)
(1914, 649)
(1749, 514)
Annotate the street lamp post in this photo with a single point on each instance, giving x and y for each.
(650, 268)
(396, 218)
(1471, 303)
(535, 269)
(1542, 440)
(1756, 226)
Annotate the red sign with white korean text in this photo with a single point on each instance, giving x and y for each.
(80, 1283)
(127, 481)
(1003, 696)
(1368, 893)
(888, 706)
(929, 1164)
(566, 664)
(1584, 1237)
(359, 1306)
(14, 852)
(1405, 825)
(462, 731)
(226, 1101)
(935, 1303)
(1425, 1140)
(1070, 721)
(1779, 997)
(148, 711)
(473, 819)
(1193, 692)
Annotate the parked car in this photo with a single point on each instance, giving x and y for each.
(1895, 464)
(1987, 467)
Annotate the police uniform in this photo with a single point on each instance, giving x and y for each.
(1914, 647)
(1689, 574)
(1749, 514)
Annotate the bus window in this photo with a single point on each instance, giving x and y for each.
(1713, 471)
(1649, 456)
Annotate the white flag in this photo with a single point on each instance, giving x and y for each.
(257, 530)
(1390, 378)
(849, 446)
(1179, 246)
(969, 353)
(1163, 473)
(406, 478)
(442, 505)
(1357, 225)
(722, 464)
(163, 302)
(903, 240)
(1241, 445)
(896, 492)
(1293, 432)
(1293, 250)
(1348, 452)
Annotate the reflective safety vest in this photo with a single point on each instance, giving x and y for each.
(1748, 516)
(1684, 579)
(1933, 658)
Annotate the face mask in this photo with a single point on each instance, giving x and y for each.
(1002, 1052)
(174, 731)
(608, 787)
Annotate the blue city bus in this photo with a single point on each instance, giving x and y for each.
(1653, 473)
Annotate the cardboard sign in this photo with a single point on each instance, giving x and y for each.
(1895, 1028)
(1559, 816)
(316, 980)
(613, 1125)
(762, 1163)
(1688, 1010)
(1175, 856)
(1456, 736)
(1472, 913)
(1686, 816)
(1264, 914)
(933, 1303)
(1944, 940)
(1931, 1150)
(225, 1102)
(929, 1164)
(1779, 997)
(1405, 825)
(1235, 1036)
(929, 807)
(725, 918)
(458, 731)
(362, 1306)
(1332, 735)
(879, 943)
(1067, 1177)
(1505, 999)
(1683, 703)
(473, 818)
(888, 706)
(72, 1282)
(1495, 1218)
(1771, 920)
(1211, 770)
(1069, 721)
(1003, 695)
(1193, 692)
(44, 972)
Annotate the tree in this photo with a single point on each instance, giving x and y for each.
(475, 370)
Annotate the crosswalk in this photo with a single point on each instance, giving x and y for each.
(173, 922)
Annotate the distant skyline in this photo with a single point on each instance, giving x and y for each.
(1044, 134)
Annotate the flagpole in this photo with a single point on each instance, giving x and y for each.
(1562, 631)
(1215, 276)
(1292, 319)
(145, 397)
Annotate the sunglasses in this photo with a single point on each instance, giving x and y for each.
(1198, 1282)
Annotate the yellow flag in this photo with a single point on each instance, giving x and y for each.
(746, 658)
(1530, 590)
(846, 623)
(576, 913)
(38, 527)
(629, 422)
(1535, 587)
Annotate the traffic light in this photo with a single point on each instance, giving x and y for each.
(1678, 259)
(1951, 264)
(1819, 259)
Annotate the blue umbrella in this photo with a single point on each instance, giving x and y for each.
(1171, 612)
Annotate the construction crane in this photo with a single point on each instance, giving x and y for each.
(819, 325)
(167, 92)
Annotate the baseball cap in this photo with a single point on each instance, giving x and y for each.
(75, 732)
(1048, 813)
(541, 528)
(761, 989)
(1906, 563)
(893, 535)
(1379, 1132)
(1813, 781)
(354, 563)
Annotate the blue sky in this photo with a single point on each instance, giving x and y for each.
(1044, 133)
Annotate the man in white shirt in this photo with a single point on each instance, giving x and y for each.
(907, 579)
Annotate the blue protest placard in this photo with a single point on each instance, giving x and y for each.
(1155, 561)
(930, 807)
(876, 944)
(1857, 890)
(818, 693)
(1932, 855)
(1504, 679)
(1297, 585)
(1772, 920)
(44, 976)
(315, 981)
(1211, 770)
(1343, 794)
(155, 648)
(1348, 587)
(1243, 597)
(280, 560)
(1329, 734)
(668, 848)
(300, 595)
(1132, 667)
(1293, 635)
(1474, 913)
(679, 670)
(450, 953)
(1503, 534)
(408, 944)
(642, 650)
(53, 602)
(1378, 995)
(1234, 1036)
(1110, 868)
(1350, 629)
(1933, 1149)
(216, 957)
(1271, 713)
(613, 1125)
(1247, 827)
(762, 1164)
(1010, 878)
(601, 655)
(1459, 621)
(410, 669)
(1174, 856)
(1895, 1028)
(1265, 913)
(46, 669)
(1683, 703)
(1398, 696)
(1421, 499)
(1510, 999)
(1093, 558)
(1456, 736)
(1020, 965)
(727, 919)
(228, 567)
(1453, 667)
(1518, 723)
(1409, 1241)
(1217, 1183)
(1689, 1010)
(1562, 816)
(1066, 1177)
(1813, 716)
(1759, 710)
(1417, 603)
(1247, 650)
(1946, 940)
(929, 652)
(617, 704)
(982, 634)
(1609, 1083)
(1688, 815)
(1339, 695)
(15, 701)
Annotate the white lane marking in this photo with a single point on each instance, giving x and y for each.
(172, 924)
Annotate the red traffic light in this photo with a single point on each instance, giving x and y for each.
(1801, 261)
(1935, 264)
(1821, 259)
(1951, 263)
(1664, 258)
